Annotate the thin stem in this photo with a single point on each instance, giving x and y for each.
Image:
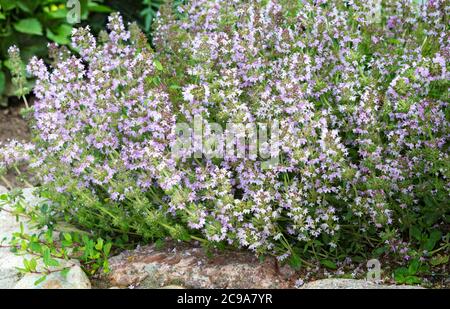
(7, 183)
(25, 101)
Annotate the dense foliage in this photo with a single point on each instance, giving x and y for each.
(363, 108)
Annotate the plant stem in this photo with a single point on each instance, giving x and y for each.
(7, 183)
(25, 101)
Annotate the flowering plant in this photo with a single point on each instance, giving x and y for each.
(362, 106)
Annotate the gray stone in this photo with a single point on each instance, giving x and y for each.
(352, 284)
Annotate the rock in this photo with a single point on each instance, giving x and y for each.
(10, 277)
(75, 279)
(3, 190)
(173, 287)
(189, 266)
(352, 284)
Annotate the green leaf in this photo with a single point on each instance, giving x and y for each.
(413, 280)
(26, 264)
(106, 266)
(107, 248)
(52, 262)
(40, 280)
(8, 5)
(430, 243)
(328, 264)
(48, 260)
(158, 65)
(99, 244)
(33, 265)
(416, 233)
(295, 262)
(67, 237)
(98, 8)
(413, 266)
(36, 247)
(64, 272)
(61, 35)
(439, 260)
(29, 26)
(28, 6)
(435, 236)
(58, 14)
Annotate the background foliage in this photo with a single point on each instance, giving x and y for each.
(32, 24)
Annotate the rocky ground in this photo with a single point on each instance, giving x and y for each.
(175, 265)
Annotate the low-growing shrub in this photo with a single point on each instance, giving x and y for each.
(362, 103)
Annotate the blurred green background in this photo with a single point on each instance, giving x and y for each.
(32, 24)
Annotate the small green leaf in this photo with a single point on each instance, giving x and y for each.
(416, 233)
(99, 244)
(430, 243)
(439, 260)
(40, 280)
(2, 82)
(98, 8)
(400, 275)
(48, 260)
(64, 272)
(106, 266)
(52, 262)
(58, 14)
(295, 262)
(8, 5)
(26, 264)
(29, 26)
(435, 235)
(36, 247)
(107, 248)
(61, 35)
(328, 264)
(33, 265)
(67, 237)
(158, 65)
(413, 280)
(413, 267)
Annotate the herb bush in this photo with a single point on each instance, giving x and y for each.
(363, 108)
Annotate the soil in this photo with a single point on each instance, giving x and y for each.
(13, 126)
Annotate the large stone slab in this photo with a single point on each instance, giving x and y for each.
(190, 267)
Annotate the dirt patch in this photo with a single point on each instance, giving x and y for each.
(13, 126)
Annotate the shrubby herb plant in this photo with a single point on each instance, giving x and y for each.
(363, 108)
